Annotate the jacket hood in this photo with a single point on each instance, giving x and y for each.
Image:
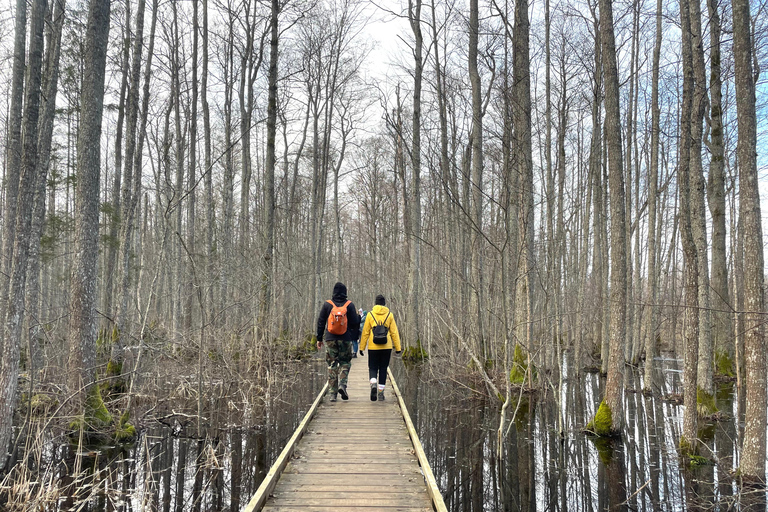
(379, 310)
(339, 292)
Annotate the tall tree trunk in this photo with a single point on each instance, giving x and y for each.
(688, 442)
(45, 140)
(209, 217)
(189, 292)
(722, 329)
(269, 171)
(753, 448)
(522, 119)
(27, 187)
(477, 174)
(414, 17)
(128, 202)
(649, 382)
(13, 154)
(114, 216)
(614, 385)
(82, 323)
(704, 382)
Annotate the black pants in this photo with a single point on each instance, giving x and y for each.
(378, 361)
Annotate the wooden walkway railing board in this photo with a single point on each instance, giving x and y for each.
(353, 455)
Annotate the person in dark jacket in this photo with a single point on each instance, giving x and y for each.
(338, 345)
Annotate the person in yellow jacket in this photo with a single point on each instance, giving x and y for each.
(379, 336)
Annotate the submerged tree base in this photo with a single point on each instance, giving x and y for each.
(415, 355)
(705, 403)
(97, 427)
(724, 366)
(602, 424)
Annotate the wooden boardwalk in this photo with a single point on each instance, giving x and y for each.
(353, 455)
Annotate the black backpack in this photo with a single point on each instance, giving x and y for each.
(380, 331)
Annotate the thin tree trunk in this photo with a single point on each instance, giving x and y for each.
(414, 17)
(13, 149)
(705, 392)
(45, 139)
(649, 382)
(688, 443)
(28, 185)
(128, 202)
(722, 327)
(269, 265)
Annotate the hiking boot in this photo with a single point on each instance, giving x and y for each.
(332, 397)
(381, 396)
(354, 355)
(343, 392)
(373, 392)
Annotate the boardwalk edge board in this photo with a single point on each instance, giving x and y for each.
(270, 481)
(429, 478)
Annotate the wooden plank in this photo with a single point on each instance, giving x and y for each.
(356, 455)
(371, 506)
(357, 502)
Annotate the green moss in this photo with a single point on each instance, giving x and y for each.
(705, 403)
(41, 403)
(125, 432)
(687, 448)
(519, 372)
(724, 364)
(602, 423)
(96, 413)
(114, 368)
(300, 351)
(415, 354)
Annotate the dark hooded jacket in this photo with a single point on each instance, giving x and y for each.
(353, 319)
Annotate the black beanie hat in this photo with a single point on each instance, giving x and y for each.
(380, 300)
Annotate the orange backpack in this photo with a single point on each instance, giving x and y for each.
(337, 320)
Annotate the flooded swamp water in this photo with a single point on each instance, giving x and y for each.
(170, 469)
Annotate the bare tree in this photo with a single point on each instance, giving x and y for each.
(688, 444)
(27, 187)
(414, 330)
(612, 423)
(82, 324)
(653, 187)
(721, 300)
(753, 446)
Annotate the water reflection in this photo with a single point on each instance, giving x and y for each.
(169, 468)
(543, 470)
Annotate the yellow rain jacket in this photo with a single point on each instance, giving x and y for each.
(379, 313)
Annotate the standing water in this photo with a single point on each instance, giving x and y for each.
(169, 468)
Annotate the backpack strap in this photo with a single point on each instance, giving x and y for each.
(385, 319)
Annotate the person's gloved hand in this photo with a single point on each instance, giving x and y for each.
(362, 353)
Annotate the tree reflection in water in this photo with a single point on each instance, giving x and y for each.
(168, 469)
(543, 471)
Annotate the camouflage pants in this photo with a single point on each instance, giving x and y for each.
(338, 354)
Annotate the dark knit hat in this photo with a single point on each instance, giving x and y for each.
(380, 301)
